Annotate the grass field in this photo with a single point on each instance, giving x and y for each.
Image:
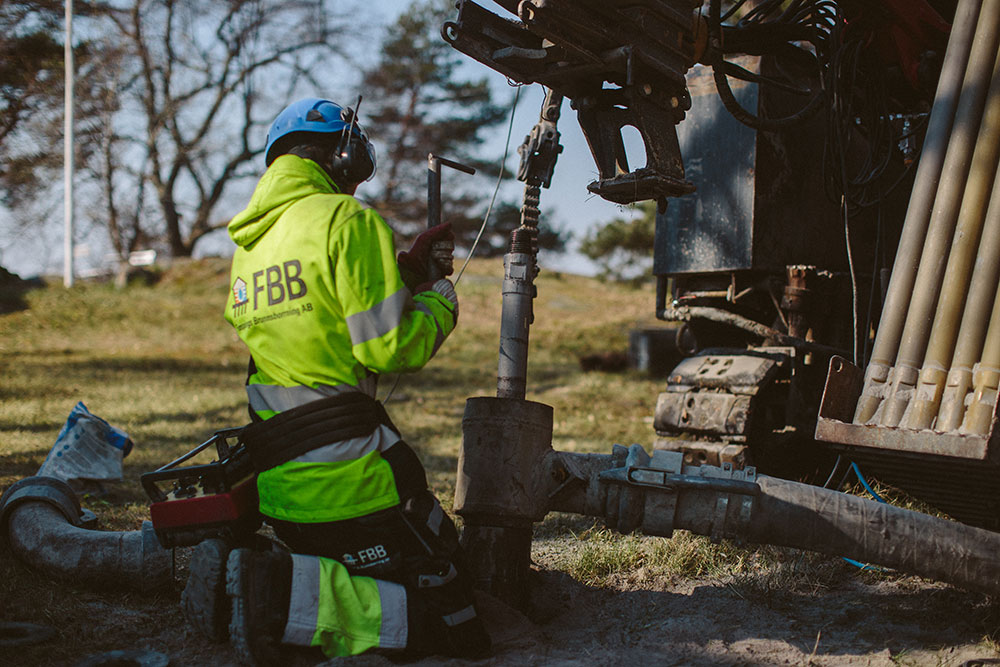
(160, 362)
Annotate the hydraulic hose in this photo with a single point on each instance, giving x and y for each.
(816, 519)
(782, 513)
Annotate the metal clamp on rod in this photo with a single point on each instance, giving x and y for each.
(671, 483)
(716, 501)
(541, 148)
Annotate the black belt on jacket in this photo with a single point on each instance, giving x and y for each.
(316, 424)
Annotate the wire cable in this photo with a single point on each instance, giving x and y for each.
(489, 209)
(392, 388)
(854, 279)
(836, 464)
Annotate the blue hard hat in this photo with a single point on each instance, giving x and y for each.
(313, 114)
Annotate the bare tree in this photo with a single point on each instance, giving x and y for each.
(196, 85)
(31, 93)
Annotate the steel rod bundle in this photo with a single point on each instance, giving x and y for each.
(923, 409)
(918, 213)
(933, 346)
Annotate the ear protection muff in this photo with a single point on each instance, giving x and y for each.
(353, 160)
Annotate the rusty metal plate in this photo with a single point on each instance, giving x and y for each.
(972, 447)
(844, 383)
(739, 373)
(836, 414)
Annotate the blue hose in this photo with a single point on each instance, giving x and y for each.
(862, 566)
(864, 483)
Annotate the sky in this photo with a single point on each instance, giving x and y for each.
(566, 204)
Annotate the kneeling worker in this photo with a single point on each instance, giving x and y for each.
(324, 304)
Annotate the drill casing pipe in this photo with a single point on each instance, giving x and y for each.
(941, 346)
(515, 322)
(740, 505)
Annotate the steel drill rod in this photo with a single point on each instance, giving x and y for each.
(961, 258)
(975, 319)
(433, 191)
(515, 325)
(944, 215)
(918, 212)
(986, 379)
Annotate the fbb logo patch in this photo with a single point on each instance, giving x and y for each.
(240, 296)
(240, 292)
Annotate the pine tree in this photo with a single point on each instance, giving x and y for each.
(415, 103)
(623, 248)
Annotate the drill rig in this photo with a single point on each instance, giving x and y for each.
(841, 163)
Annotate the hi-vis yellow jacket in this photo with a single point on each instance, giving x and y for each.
(317, 297)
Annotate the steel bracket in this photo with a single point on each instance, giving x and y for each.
(729, 491)
(620, 64)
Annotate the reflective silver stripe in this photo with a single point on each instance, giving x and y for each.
(460, 616)
(439, 337)
(435, 517)
(278, 399)
(303, 607)
(380, 319)
(393, 631)
(348, 450)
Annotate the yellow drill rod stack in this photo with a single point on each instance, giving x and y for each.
(918, 213)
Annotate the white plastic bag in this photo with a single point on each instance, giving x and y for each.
(87, 449)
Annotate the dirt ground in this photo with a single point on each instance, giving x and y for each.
(639, 620)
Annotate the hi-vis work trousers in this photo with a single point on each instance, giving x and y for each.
(371, 582)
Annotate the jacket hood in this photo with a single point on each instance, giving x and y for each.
(288, 179)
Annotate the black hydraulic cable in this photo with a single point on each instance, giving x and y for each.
(821, 12)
